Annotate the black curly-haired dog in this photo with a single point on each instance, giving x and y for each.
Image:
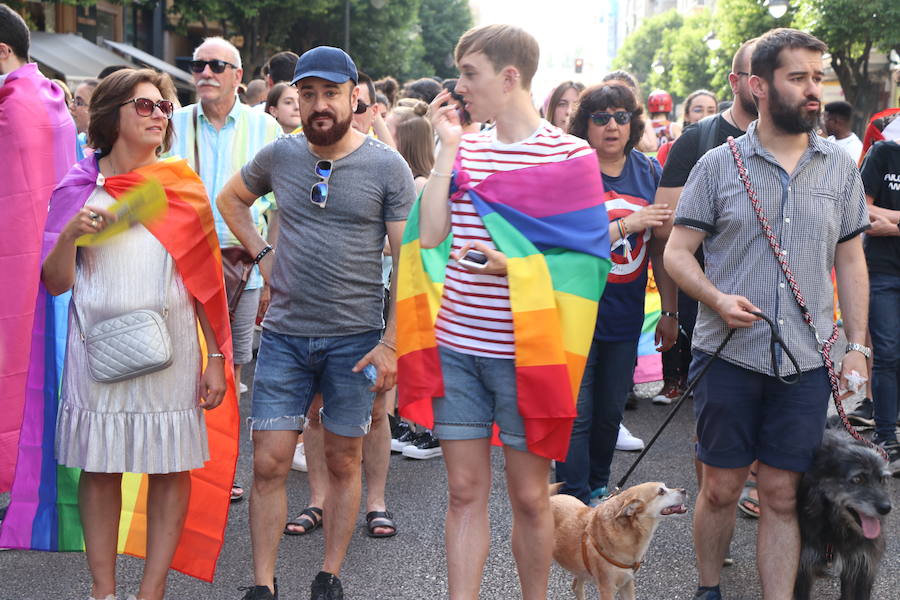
(842, 502)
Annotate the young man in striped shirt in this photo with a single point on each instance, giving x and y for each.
(474, 326)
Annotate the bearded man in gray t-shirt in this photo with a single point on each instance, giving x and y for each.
(339, 193)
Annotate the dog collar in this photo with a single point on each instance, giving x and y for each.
(584, 556)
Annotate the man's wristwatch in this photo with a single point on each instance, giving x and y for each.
(864, 350)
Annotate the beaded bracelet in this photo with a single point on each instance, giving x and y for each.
(262, 254)
(666, 313)
(215, 355)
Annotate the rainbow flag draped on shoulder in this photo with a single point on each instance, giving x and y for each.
(550, 222)
(37, 148)
(43, 512)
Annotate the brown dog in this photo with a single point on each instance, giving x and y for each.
(606, 544)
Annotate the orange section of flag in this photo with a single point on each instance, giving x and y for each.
(199, 262)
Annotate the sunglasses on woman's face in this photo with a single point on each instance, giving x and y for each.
(602, 118)
(215, 65)
(144, 107)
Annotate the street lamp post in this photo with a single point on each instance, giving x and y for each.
(347, 26)
(777, 8)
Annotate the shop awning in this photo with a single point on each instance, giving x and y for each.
(151, 61)
(72, 55)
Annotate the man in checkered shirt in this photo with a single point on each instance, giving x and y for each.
(813, 197)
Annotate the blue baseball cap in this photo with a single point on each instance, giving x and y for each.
(326, 62)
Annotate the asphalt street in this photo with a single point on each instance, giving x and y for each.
(411, 565)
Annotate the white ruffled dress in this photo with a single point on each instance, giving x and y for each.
(149, 424)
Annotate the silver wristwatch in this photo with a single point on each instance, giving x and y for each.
(864, 350)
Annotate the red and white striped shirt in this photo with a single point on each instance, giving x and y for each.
(475, 316)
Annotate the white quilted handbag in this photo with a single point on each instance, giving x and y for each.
(129, 345)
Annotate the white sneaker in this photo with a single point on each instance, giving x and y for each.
(628, 442)
(299, 463)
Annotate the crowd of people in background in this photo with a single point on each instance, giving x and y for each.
(316, 159)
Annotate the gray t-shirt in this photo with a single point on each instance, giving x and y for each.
(327, 278)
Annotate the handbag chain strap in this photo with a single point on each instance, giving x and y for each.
(168, 274)
(825, 346)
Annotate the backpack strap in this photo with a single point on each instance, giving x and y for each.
(709, 133)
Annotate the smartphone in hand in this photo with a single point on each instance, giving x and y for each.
(474, 260)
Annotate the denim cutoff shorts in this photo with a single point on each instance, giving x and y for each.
(291, 369)
(478, 392)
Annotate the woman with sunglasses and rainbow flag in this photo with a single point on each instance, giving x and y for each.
(133, 462)
(609, 117)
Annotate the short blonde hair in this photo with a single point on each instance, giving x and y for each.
(504, 46)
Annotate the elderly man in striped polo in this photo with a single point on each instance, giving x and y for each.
(811, 193)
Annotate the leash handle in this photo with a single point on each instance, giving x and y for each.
(776, 340)
(824, 345)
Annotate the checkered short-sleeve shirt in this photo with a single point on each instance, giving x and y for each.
(812, 210)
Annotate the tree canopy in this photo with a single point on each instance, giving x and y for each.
(404, 38)
(678, 46)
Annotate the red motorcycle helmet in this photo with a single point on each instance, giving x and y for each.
(659, 101)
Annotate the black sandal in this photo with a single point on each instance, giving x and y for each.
(311, 515)
(380, 519)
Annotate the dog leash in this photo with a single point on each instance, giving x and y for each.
(775, 340)
(824, 345)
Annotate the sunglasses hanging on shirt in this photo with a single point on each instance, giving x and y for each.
(318, 194)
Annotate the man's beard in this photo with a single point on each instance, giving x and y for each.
(792, 119)
(328, 137)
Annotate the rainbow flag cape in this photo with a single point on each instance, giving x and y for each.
(649, 363)
(37, 148)
(551, 223)
(43, 512)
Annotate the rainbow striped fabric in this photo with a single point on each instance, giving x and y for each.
(37, 148)
(43, 512)
(551, 224)
(649, 363)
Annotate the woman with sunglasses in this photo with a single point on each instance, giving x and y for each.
(609, 117)
(283, 103)
(152, 423)
(697, 106)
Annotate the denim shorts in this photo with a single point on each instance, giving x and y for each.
(743, 415)
(478, 392)
(291, 369)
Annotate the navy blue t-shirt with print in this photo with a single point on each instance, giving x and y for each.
(621, 312)
(881, 178)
